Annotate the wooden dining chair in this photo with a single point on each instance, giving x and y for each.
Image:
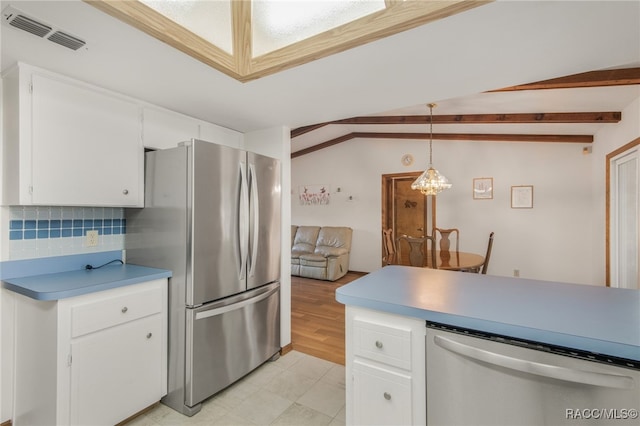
(487, 256)
(482, 269)
(417, 255)
(445, 234)
(388, 247)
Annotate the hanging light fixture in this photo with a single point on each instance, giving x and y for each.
(431, 182)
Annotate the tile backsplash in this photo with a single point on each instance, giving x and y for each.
(55, 231)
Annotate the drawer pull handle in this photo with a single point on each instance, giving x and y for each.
(387, 396)
(124, 310)
(378, 344)
(149, 335)
(125, 191)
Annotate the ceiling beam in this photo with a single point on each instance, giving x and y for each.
(306, 129)
(490, 137)
(543, 117)
(618, 77)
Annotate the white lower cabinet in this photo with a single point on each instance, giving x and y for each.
(95, 359)
(385, 367)
(101, 372)
(380, 396)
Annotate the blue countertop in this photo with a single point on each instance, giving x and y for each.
(60, 285)
(600, 320)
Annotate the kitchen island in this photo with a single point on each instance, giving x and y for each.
(387, 312)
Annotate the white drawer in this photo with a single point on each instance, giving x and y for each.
(115, 308)
(383, 343)
(381, 397)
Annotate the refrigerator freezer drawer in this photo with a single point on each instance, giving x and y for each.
(230, 338)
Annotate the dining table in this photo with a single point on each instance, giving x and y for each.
(454, 260)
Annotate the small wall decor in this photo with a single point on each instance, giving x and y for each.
(407, 160)
(483, 188)
(522, 197)
(311, 195)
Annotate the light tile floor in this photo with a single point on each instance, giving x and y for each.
(296, 389)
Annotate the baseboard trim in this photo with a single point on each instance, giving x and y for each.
(283, 351)
(138, 414)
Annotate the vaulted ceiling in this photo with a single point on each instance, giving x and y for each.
(562, 110)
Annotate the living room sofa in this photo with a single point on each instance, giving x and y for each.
(320, 252)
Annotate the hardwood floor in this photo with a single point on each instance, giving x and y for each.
(317, 319)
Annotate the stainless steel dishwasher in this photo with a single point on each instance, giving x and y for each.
(476, 379)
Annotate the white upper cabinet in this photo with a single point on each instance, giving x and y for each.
(163, 129)
(221, 135)
(69, 143)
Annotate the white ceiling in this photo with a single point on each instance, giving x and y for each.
(450, 62)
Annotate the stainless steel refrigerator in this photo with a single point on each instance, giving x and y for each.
(212, 216)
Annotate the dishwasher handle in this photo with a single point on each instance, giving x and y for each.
(545, 370)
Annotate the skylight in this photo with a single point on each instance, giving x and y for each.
(280, 23)
(210, 20)
(252, 39)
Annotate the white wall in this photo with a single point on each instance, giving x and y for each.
(608, 140)
(276, 142)
(552, 241)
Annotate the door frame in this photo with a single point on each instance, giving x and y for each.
(387, 201)
(609, 157)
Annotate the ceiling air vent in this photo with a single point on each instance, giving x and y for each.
(27, 24)
(66, 40)
(18, 19)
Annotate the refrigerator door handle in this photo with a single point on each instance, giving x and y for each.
(255, 219)
(243, 221)
(545, 370)
(254, 298)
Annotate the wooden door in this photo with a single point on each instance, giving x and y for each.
(405, 210)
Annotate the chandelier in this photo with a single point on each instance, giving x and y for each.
(431, 182)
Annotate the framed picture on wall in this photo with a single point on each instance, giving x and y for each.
(482, 188)
(522, 197)
(311, 195)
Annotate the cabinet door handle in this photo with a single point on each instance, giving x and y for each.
(387, 396)
(378, 344)
(124, 310)
(149, 335)
(125, 191)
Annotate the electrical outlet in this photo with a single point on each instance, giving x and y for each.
(91, 238)
(516, 272)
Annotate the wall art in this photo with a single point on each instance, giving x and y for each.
(482, 188)
(312, 195)
(522, 197)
